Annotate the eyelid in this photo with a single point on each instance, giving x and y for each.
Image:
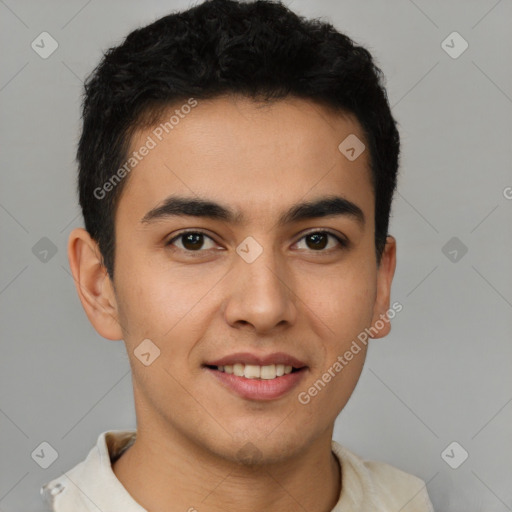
(335, 234)
(186, 232)
(343, 241)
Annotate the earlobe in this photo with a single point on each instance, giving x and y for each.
(93, 284)
(381, 325)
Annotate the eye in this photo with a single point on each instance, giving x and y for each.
(194, 241)
(318, 240)
(191, 241)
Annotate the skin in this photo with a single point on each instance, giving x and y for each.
(294, 298)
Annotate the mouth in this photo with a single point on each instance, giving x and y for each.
(253, 371)
(258, 378)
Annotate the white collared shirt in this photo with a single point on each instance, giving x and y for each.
(92, 486)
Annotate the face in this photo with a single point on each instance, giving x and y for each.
(250, 285)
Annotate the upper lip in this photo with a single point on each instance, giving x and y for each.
(259, 360)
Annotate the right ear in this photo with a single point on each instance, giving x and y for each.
(93, 284)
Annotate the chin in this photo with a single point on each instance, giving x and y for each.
(253, 449)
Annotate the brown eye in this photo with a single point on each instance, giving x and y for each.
(319, 240)
(192, 241)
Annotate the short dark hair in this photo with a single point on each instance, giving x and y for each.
(258, 49)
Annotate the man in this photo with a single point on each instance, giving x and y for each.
(236, 171)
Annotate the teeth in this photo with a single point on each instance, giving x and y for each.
(268, 372)
(252, 371)
(238, 369)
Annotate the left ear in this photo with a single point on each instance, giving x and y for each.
(385, 273)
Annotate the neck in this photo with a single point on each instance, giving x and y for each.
(164, 473)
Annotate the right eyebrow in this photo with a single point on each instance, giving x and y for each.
(198, 207)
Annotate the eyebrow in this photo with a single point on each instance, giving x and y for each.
(179, 206)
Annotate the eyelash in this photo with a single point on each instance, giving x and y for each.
(342, 241)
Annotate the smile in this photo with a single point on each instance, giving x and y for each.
(275, 376)
(252, 371)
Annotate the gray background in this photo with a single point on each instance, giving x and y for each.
(442, 375)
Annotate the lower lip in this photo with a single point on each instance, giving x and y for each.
(259, 389)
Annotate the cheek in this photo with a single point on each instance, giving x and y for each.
(346, 306)
(325, 395)
(342, 299)
(154, 302)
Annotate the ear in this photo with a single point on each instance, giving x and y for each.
(385, 273)
(93, 284)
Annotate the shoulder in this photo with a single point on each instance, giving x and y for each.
(64, 491)
(379, 485)
(91, 484)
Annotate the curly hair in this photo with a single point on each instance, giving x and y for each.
(259, 49)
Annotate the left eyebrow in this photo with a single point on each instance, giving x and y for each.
(197, 207)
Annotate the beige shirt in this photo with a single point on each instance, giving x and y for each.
(92, 486)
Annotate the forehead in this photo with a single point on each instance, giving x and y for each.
(256, 157)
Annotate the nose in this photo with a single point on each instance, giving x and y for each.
(261, 294)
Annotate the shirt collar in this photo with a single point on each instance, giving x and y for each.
(92, 485)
